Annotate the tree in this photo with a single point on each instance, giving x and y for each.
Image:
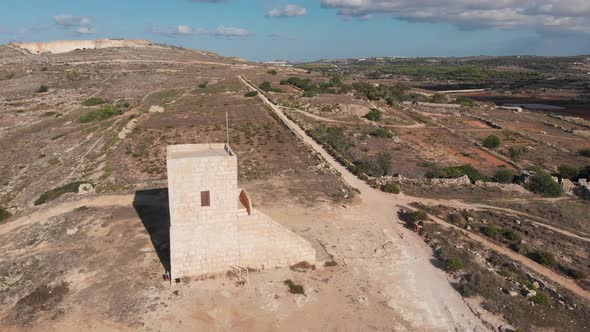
(373, 115)
(251, 94)
(504, 175)
(568, 172)
(492, 142)
(543, 184)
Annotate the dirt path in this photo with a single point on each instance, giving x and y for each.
(376, 199)
(420, 293)
(546, 272)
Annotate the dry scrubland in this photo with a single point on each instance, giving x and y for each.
(105, 116)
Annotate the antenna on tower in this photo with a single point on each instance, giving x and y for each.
(226, 129)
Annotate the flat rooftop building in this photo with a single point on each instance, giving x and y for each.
(213, 226)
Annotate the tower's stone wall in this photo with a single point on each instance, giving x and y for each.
(211, 239)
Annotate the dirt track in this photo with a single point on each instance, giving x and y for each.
(377, 198)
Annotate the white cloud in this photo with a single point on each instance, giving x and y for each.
(287, 11)
(220, 32)
(538, 15)
(78, 24)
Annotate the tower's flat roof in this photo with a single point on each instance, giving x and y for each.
(198, 151)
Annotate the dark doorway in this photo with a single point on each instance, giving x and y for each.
(153, 210)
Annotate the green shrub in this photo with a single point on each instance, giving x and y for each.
(267, 86)
(308, 94)
(543, 184)
(490, 231)
(294, 288)
(391, 188)
(541, 298)
(515, 152)
(572, 273)
(568, 172)
(511, 235)
(375, 167)
(382, 132)
(584, 173)
(491, 142)
(42, 89)
(100, 114)
(251, 94)
(94, 101)
(473, 173)
(585, 152)
(373, 115)
(454, 264)
(544, 258)
(4, 214)
(272, 72)
(504, 176)
(464, 101)
(439, 98)
(420, 215)
(55, 193)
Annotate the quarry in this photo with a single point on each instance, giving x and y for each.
(158, 188)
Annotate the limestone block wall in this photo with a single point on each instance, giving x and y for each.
(202, 239)
(212, 239)
(263, 243)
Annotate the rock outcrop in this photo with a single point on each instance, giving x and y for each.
(64, 46)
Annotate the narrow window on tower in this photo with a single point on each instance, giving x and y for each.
(205, 198)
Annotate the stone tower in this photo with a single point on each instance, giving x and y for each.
(213, 226)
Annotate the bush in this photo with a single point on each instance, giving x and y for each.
(294, 288)
(543, 258)
(382, 132)
(203, 85)
(543, 184)
(511, 235)
(490, 231)
(504, 176)
(99, 114)
(267, 86)
(4, 214)
(568, 172)
(465, 101)
(93, 101)
(572, 273)
(585, 152)
(541, 298)
(272, 72)
(42, 89)
(473, 173)
(251, 94)
(391, 188)
(454, 264)
(373, 115)
(439, 98)
(420, 215)
(54, 194)
(584, 173)
(515, 152)
(375, 167)
(492, 142)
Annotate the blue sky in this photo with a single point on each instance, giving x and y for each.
(314, 29)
